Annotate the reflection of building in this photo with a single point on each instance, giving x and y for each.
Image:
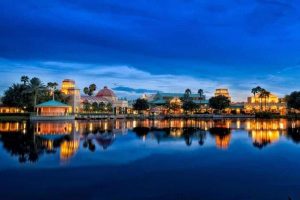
(52, 108)
(272, 103)
(45, 128)
(13, 127)
(222, 92)
(223, 141)
(266, 132)
(107, 96)
(69, 88)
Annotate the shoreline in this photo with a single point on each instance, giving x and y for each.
(28, 116)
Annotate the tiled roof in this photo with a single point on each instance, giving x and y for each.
(95, 99)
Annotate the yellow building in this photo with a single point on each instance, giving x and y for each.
(69, 88)
(271, 104)
(222, 92)
(7, 109)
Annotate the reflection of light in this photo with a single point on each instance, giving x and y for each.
(105, 126)
(281, 125)
(68, 149)
(90, 127)
(176, 132)
(293, 125)
(134, 124)
(144, 138)
(264, 136)
(222, 142)
(238, 124)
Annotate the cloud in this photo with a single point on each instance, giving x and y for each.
(131, 82)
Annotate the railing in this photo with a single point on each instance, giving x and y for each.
(51, 114)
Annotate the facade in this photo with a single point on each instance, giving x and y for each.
(7, 109)
(223, 92)
(69, 88)
(107, 96)
(161, 98)
(53, 108)
(272, 104)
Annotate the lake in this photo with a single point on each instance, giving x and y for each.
(164, 159)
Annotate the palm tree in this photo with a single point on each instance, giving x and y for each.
(264, 94)
(256, 90)
(52, 86)
(24, 79)
(86, 90)
(187, 94)
(90, 90)
(201, 92)
(35, 87)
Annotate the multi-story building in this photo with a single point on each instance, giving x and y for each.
(223, 92)
(69, 88)
(272, 103)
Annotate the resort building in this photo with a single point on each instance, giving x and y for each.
(8, 109)
(68, 87)
(272, 103)
(161, 99)
(107, 96)
(223, 92)
(53, 108)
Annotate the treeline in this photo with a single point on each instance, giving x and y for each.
(31, 91)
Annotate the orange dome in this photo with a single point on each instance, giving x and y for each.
(105, 92)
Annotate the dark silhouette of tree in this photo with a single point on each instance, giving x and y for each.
(219, 102)
(141, 131)
(141, 105)
(293, 100)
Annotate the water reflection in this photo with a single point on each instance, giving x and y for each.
(28, 142)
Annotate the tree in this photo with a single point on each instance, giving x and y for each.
(293, 100)
(90, 90)
(201, 92)
(86, 106)
(35, 87)
(15, 96)
(86, 90)
(109, 107)
(141, 105)
(95, 106)
(189, 106)
(187, 94)
(219, 102)
(101, 107)
(52, 86)
(256, 90)
(25, 80)
(264, 94)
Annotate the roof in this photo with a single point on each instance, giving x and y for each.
(52, 103)
(105, 92)
(94, 99)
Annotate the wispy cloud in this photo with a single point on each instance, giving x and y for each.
(130, 82)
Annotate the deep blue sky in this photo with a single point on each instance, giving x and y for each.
(166, 45)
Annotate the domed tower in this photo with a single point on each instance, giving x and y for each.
(68, 87)
(107, 94)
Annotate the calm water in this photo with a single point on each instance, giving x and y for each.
(178, 159)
